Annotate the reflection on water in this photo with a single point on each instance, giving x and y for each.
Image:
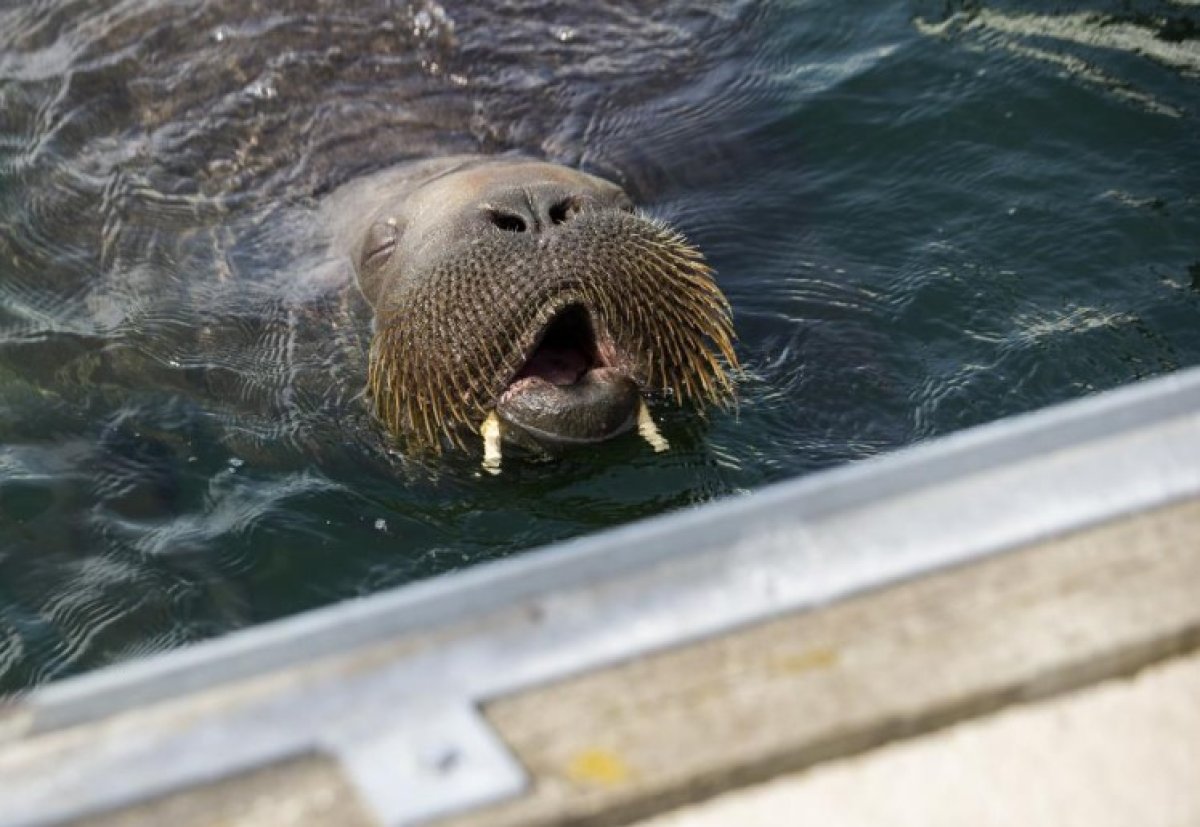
(1081, 42)
(926, 217)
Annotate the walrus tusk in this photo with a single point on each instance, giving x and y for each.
(490, 431)
(649, 430)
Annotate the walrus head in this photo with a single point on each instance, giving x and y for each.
(536, 293)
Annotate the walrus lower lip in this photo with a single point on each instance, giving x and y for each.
(602, 403)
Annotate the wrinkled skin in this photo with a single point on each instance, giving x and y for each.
(527, 289)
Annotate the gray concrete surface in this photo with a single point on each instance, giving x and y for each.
(1124, 753)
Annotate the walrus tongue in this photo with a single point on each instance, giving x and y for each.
(558, 365)
(565, 351)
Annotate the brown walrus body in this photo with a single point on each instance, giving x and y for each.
(528, 291)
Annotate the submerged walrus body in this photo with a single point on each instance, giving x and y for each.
(526, 300)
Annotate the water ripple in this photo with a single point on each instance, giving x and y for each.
(925, 217)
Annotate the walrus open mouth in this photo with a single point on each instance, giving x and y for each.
(570, 390)
(565, 350)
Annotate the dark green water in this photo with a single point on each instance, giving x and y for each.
(927, 216)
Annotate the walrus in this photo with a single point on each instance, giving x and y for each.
(527, 302)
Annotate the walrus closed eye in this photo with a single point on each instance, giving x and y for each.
(529, 302)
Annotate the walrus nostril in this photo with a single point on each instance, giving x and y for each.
(507, 221)
(564, 210)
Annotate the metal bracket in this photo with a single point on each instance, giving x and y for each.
(436, 759)
(411, 757)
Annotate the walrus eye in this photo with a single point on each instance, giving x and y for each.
(380, 242)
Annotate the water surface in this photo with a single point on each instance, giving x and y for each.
(926, 215)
